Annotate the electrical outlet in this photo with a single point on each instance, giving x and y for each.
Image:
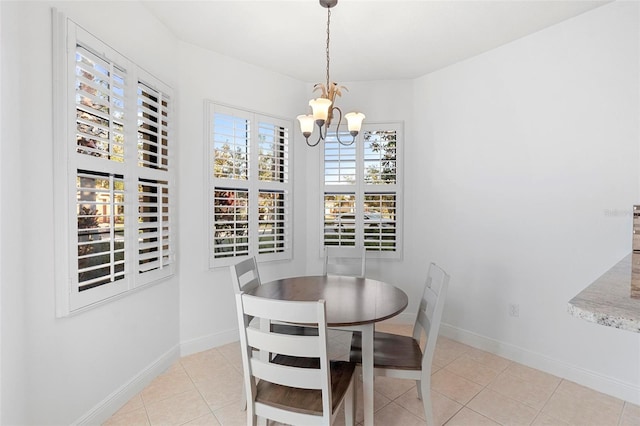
(514, 310)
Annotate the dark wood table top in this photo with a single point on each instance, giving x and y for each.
(349, 300)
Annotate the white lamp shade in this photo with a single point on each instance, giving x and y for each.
(320, 107)
(306, 123)
(354, 121)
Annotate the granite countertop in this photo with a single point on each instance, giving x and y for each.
(608, 300)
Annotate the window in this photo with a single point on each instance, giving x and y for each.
(250, 189)
(113, 173)
(362, 195)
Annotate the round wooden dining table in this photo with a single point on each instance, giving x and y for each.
(350, 302)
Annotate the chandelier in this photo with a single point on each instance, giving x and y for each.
(323, 107)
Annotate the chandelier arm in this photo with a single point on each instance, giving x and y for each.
(338, 130)
(312, 144)
(321, 137)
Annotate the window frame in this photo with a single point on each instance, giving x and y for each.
(253, 185)
(360, 189)
(145, 237)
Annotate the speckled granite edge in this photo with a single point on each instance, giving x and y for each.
(605, 319)
(607, 301)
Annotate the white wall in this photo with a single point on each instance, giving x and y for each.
(208, 315)
(12, 367)
(59, 371)
(523, 152)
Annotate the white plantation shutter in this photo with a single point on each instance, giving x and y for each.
(380, 221)
(272, 230)
(340, 219)
(231, 222)
(380, 157)
(362, 190)
(153, 128)
(100, 227)
(99, 106)
(273, 188)
(273, 152)
(155, 241)
(381, 189)
(231, 146)
(250, 186)
(116, 173)
(339, 160)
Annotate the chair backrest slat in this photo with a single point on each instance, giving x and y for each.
(304, 378)
(350, 261)
(245, 275)
(430, 300)
(281, 310)
(424, 324)
(286, 344)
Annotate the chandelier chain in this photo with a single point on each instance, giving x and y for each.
(328, 39)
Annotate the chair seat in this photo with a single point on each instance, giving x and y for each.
(389, 351)
(307, 401)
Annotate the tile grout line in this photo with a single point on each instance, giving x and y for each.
(487, 388)
(195, 385)
(549, 399)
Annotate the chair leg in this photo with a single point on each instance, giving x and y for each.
(252, 419)
(419, 388)
(424, 390)
(350, 404)
(243, 399)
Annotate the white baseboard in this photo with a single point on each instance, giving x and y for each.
(112, 403)
(608, 385)
(207, 342)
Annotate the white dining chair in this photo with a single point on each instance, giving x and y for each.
(403, 357)
(299, 385)
(246, 277)
(340, 260)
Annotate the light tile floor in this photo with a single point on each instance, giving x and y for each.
(469, 387)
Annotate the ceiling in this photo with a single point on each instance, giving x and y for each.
(370, 39)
